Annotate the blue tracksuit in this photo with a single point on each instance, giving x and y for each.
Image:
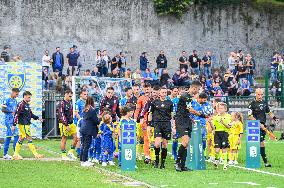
(107, 142)
(11, 105)
(79, 106)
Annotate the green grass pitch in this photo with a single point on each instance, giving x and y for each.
(70, 174)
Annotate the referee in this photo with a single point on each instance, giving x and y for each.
(184, 124)
(257, 111)
(161, 112)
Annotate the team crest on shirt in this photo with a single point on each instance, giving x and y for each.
(16, 80)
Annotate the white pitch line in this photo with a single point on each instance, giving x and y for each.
(109, 172)
(259, 171)
(249, 183)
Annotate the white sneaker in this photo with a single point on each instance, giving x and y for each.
(7, 157)
(221, 161)
(72, 156)
(140, 158)
(225, 167)
(111, 163)
(90, 163)
(104, 164)
(95, 161)
(87, 164)
(231, 163)
(236, 162)
(211, 159)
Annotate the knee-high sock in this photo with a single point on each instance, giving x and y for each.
(32, 147)
(225, 158)
(236, 155)
(263, 154)
(6, 145)
(152, 152)
(16, 138)
(174, 149)
(180, 154)
(18, 147)
(231, 156)
(157, 154)
(183, 159)
(164, 155)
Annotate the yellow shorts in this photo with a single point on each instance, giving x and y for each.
(64, 132)
(139, 131)
(233, 141)
(24, 131)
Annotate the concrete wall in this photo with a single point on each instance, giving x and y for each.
(30, 26)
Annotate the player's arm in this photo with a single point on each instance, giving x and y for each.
(6, 108)
(62, 114)
(138, 109)
(250, 114)
(77, 110)
(271, 115)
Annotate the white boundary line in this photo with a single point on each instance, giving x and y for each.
(105, 171)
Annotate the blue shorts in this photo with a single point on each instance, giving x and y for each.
(9, 132)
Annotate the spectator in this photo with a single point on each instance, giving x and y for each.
(87, 73)
(52, 79)
(95, 72)
(280, 67)
(61, 87)
(250, 65)
(176, 78)
(183, 61)
(225, 84)
(274, 66)
(57, 61)
(68, 82)
(184, 78)
(148, 76)
(245, 88)
(114, 73)
(233, 88)
(45, 78)
(45, 61)
(240, 56)
(105, 63)
(165, 79)
(128, 74)
(232, 62)
(194, 62)
(114, 62)
(161, 62)
(242, 72)
(78, 60)
(122, 67)
(72, 61)
(143, 62)
(207, 63)
(137, 76)
(5, 55)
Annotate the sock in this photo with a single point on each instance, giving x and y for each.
(32, 147)
(236, 156)
(225, 157)
(174, 149)
(217, 156)
(18, 147)
(180, 154)
(72, 148)
(16, 138)
(263, 154)
(6, 145)
(157, 154)
(183, 159)
(164, 155)
(78, 151)
(152, 152)
(231, 156)
(63, 153)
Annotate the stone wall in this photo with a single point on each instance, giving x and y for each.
(31, 26)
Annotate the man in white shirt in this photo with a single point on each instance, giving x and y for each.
(232, 62)
(46, 60)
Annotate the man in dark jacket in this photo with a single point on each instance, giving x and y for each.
(161, 62)
(57, 61)
(143, 62)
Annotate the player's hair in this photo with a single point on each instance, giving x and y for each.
(127, 108)
(127, 89)
(136, 85)
(163, 88)
(82, 91)
(195, 83)
(147, 85)
(175, 87)
(239, 116)
(156, 88)
(104, 119)
(27, 93)
(203, 96)
(16, 90)
(89, 103)
(68, 91)
(110, 88)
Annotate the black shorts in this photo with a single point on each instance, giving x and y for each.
(163, 129)
(262, 135)
(184, 130)
(221, 139)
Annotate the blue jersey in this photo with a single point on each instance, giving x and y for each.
(175, 103)
(197, 107)
(79, 107)
(207, 109)
(11, 105)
